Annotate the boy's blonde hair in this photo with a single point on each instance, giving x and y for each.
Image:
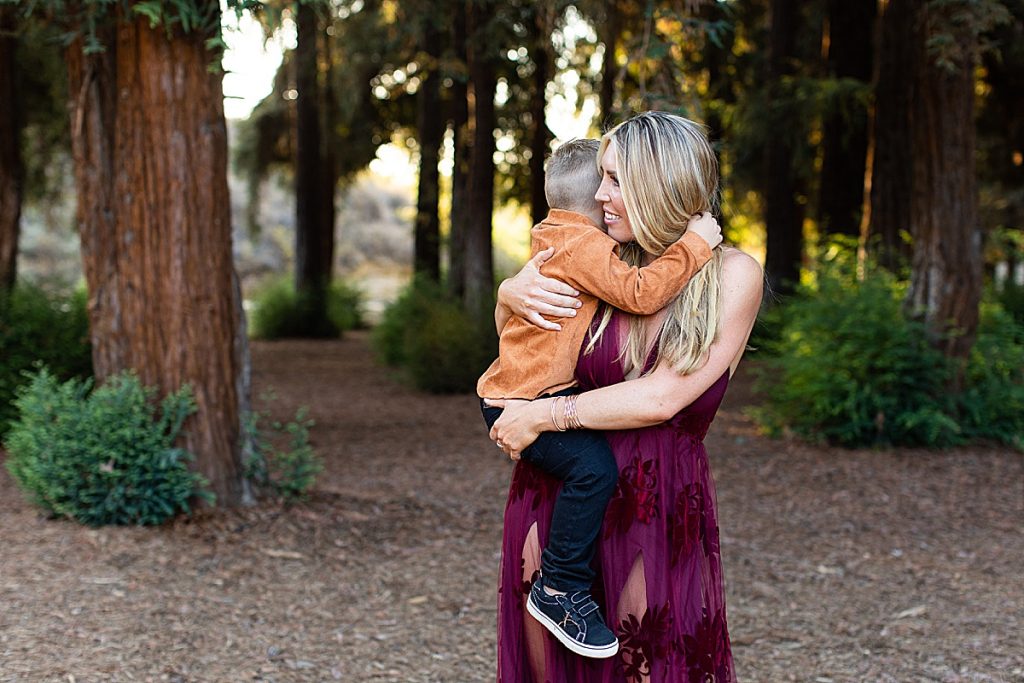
(571, 179)
(668, 173)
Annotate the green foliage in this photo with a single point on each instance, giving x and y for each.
(992, 405)
(1011, 299)
(37, 326)
(440, 347)
(289, 473)
(281, 312)
(850, 368)
(102, 457)
(85, 20)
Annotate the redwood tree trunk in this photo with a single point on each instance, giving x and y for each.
(329, 176)
(946, 263)
(890, 145)
(311, 278)
(479, 274)
(783, 214)
(845, 138)
(540, 135)
(459, 94)
(430, 131)
(610, 37)
(150, 149)
(12, 173)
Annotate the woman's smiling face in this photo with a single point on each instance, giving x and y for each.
(609, 195)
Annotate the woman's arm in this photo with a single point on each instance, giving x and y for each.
(654, 398)
(531, 296)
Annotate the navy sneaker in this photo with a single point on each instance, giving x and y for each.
(573, 618)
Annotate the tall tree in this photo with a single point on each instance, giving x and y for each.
(782, 211)
(610, 34)
(331, 168)
(430, 125)
(458, 103)
(890, 156)
(845, 128)
(150, 148)
(313, 236)
(478, 293)
(540, 135)
(946, 263)
(12, 170)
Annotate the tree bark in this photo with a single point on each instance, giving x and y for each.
(540, 134)
(946, 263)
(845, 134)
(720, 91)
(150, 150)
(311, 231)
(610, 37)
(891, 167)
(459, 93)
(12, 170)
(329, 178)
(479, 275)
(430, 131)
(783, 213)
(609, 31)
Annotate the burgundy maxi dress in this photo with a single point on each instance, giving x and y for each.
(659, 571)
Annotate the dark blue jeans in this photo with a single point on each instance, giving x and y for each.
(582, 460)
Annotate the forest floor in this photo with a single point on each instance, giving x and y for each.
(896, 565)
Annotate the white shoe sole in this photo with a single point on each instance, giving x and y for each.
(578, 648)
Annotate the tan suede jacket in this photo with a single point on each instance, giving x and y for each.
(533, 362)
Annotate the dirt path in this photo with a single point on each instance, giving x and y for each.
(841, 566)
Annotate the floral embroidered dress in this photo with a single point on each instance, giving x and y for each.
(659, 571)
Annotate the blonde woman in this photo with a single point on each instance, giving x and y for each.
(653, 384)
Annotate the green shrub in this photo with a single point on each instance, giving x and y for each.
(992, 403)
(281, 312)
(102, 456)
(850, 368)
(36, 326)
(1011, 299)
(430, 336)
(288, 473)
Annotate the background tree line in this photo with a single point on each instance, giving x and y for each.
(883, 121)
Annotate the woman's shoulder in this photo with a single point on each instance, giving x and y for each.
(738, 263)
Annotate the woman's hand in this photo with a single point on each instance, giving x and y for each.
(531, 295)
(520, 424)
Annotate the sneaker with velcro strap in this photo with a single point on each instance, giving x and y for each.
(575, 619)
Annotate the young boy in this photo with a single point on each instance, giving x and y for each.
(534, 363)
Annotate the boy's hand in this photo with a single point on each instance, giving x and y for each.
(705, 225)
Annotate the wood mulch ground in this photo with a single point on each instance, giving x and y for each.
(841, 566)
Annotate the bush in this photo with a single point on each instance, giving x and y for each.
(281, 312)
(36, 326)
(850, 368)
(1011, 299)
(992, 404)
(102, 457)
(287, 473)
(431, 337)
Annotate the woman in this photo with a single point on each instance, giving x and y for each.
(659, 569)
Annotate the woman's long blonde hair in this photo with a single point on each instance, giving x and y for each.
(668, 173)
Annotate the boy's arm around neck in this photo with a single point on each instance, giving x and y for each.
(590, 262)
